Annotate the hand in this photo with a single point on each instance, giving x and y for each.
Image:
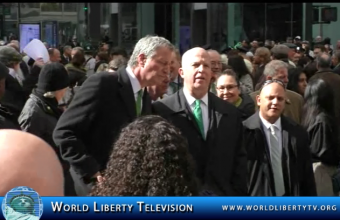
(39, 62)
(98, 176)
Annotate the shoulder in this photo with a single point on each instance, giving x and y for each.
(293, 128)
(222, 106)
(293, 95)
(166, 105)
(31, 109)
(102, 78)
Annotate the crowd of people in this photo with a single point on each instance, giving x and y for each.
(257, 119)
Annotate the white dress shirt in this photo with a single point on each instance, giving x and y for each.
(15, 75)
(134, 83)
(278, 130)
(204, 107)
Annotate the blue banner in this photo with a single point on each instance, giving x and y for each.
(190, 207)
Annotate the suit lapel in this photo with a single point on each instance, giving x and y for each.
(289, 158)
(126, 92)
(183, 107)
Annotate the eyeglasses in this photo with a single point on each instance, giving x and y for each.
(267, 82)
(228, 87)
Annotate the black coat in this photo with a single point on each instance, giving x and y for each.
(8, 120)
(247, 106)
(296, 159)
(14, 98)
(220, 159)
(86, 131)
(37, 118)
(324, 140)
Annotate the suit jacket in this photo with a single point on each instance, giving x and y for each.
(296, 159)
(63, 60)
(220, 159)
(293, 108)
(86, 131)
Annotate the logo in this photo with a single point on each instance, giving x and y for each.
(22, 203)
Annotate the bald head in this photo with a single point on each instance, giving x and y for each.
(187, 56)
(26, 160)
(196, 71)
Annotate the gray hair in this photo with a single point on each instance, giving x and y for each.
(273, 66)
(148, 46)
(67, 47)
(280, 52)
(117, 63)
(324, 60)
(80, 49)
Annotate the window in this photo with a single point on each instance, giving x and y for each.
(49, 7)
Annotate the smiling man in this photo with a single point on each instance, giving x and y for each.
(212, 127)
(279, 159)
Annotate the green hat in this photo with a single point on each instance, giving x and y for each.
(9, 54)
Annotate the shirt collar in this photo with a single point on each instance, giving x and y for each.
(134, 81)
(192, 100)
(12, 72)
(267, 124)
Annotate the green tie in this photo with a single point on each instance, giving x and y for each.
(198, 116)
(139, 102)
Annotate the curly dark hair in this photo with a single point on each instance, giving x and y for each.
(150, 158)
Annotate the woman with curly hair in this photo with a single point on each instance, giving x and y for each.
(150, 158)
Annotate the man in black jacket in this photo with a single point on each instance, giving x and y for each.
(7, 119)
(279, 159)
(104, 104)
(213, 128)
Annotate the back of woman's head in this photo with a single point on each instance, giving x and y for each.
(78, 59)
(150, 158)
(238, 65)
(293, 79)
(319, 98)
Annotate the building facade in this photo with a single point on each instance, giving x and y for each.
(184, 24)
(66, 15)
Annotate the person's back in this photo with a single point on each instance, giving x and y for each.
(150, 158)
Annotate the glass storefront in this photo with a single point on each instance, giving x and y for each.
(64, 15)
(275, 21)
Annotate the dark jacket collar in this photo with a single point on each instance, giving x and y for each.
(127, 94)
(254, 122)
(214, 103)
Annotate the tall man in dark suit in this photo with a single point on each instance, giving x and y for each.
(279, 159)
(105, 103)
(212, 127)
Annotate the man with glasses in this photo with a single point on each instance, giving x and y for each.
(279, 159)
(277, 69)
(213, 128)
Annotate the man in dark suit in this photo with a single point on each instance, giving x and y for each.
(66, 57)
(104, 104)
(212, 127)
(279, 159)
(14, 98)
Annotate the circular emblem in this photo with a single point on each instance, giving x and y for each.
(22, 203)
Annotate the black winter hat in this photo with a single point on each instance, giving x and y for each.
(3, 71)
(53, 77)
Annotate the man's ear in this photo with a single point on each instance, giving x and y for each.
(258, 100)
(141, 60)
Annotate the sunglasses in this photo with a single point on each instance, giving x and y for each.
(268, 82)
